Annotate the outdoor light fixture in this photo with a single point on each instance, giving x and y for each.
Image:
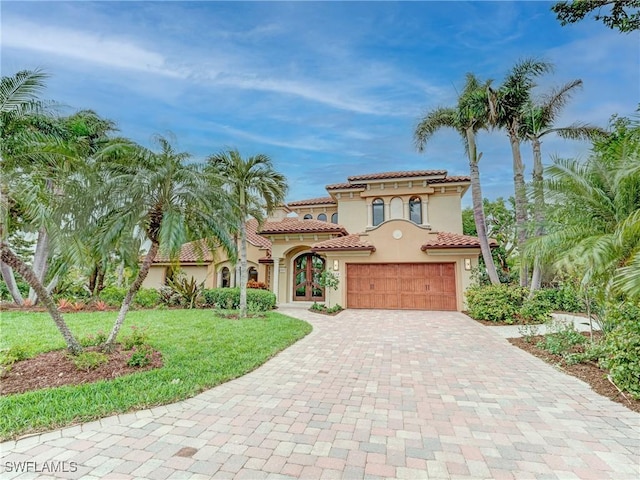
(467, 264)
(336, 265)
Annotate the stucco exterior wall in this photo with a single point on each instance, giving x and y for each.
(352, 214)
(445, 212)
(155, 277)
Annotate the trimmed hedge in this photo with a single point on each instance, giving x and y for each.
(229, 298)
(145, 297)
(495, 303)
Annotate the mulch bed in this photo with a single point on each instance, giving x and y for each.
(54, 369)
(588, 372)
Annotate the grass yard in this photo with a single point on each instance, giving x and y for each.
(199, 349)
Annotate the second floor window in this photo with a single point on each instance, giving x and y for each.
(377, 208)
(334, 218)
(308, 216)
(322, 217)
(415, 210)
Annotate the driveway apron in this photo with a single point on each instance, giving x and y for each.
(368, 394)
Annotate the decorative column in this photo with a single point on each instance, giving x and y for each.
(425, 210)
(387, 210)
(276, 276)
(219, 278)
(405, 203)
(369, 214)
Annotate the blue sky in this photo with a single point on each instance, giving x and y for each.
(327, 89)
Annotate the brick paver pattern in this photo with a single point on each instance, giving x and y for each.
(368, 394)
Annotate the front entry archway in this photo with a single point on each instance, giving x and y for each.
(306, 276)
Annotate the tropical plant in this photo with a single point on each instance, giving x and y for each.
(468, 117)
(163, 199)
(538, 120)
(256, 189)
(507, 105)
(596, 208)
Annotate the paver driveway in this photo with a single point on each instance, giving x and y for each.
(368, 394)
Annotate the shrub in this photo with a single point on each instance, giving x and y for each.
(113, 295)
(565, 298)
(169, 297)
(229, 298)
(622, 350)
(93, 340)
(537, 308)
(141, 356)
(138, 336)
(186, 289)
(100, 305)
(23, 288)
(86, 361)
(256, 285)
(13, 354)
(64, 304)
(495, 303)
(147, 298)
(562, 338)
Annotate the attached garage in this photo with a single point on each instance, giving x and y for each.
(405, 286)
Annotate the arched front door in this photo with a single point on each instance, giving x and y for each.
(306, 275)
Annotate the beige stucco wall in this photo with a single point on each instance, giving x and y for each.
(352, 214)
(445, 212)
(155, 277)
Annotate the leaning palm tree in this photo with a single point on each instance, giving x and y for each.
(164, 200)
(467, 118)
(256, 189)
(507, 105)
(537, 122)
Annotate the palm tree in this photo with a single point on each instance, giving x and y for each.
(163, 199)
(538, 122)
(507, 105)
(598, 203)
(256, 189)
(467, 118)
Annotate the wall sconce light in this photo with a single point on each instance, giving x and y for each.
(467, 264)
(336, 265)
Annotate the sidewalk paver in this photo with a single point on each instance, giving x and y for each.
(368, 394)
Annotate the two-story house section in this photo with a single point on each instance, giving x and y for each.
(393, 239)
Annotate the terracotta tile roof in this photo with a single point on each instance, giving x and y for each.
(452, 179)
(342, 186)
(191, 252)
(312, 201)
(293, 225)
(452, 240)
(252, 235)
(350, 242)
(391, 175)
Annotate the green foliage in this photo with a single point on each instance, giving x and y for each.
(13, 354)
(91, 340)
(593, 352)
(495, 303)
(147, 298)
(561, 338)
(536, 309)
(186, 288)
(199, 351)
(622, 353)
(87, 361)
(139, 336)
(113, 295)
(321, 308)
(528, 331)
(23, 288)
(141, 356)
(229, 298)
(624, 14)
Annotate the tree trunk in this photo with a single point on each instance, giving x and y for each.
(478, 209)
(243, 270)
(40, 261)
(539, 209)
(11, 259)
(521, 203)
(10, 280)
(135, 286)
(120, 275)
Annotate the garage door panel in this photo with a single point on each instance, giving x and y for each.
(411, 286)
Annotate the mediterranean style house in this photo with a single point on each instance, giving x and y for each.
(393, 239)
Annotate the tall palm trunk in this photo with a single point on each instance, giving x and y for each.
(40, 261)
(478, 208)
(539, 209)
(521, 202)
(10, 281)
(135, 286)
(243, 269)
(11, 259)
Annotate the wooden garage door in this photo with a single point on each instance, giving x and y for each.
(405, 286)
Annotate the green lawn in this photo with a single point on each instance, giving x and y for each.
(199, 349)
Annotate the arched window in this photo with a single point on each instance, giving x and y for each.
(226, 278)
(395, 208)
(308, 216)
(415, 210)
(253, 274)
(334, 218)
(322, 217)
(377, 208)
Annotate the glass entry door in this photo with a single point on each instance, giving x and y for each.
(306, 275)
